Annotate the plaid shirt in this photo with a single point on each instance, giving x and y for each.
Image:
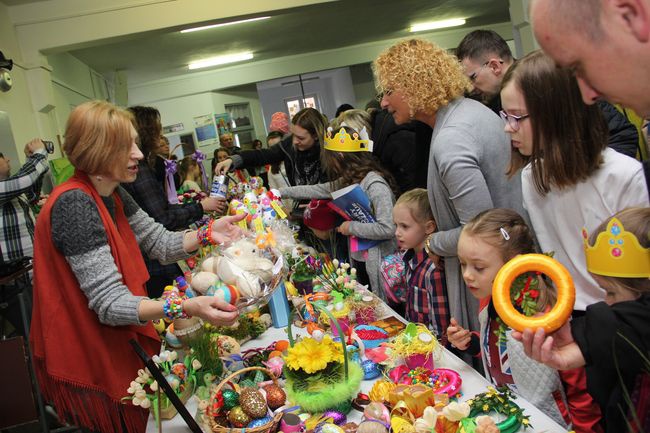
(16, 194)
(426, 292)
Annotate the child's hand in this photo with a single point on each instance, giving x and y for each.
(344, 228)
(458, 336)
(558, 351)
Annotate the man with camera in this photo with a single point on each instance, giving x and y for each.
(17, 194)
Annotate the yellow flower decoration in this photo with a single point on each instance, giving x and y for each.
(312, 356)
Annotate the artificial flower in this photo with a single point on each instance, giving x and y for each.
(143, 376)
(427, 422)
(134, 386)
(456, 411)
(485, 424)
(153, 386)
(196, 364)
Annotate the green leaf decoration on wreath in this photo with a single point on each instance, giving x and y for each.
(499, 400)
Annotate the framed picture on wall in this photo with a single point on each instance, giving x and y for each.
(223, 122)
(206, 132)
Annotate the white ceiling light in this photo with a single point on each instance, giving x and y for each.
(432, 25)
(196, 29)
(220, 60)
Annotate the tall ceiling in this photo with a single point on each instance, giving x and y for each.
(164, 53)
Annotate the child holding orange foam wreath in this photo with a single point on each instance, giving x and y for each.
(612, 339)
(486, 243)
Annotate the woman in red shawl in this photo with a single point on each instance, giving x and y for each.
(89, 276)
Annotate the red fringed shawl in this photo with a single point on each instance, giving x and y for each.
(84, 367)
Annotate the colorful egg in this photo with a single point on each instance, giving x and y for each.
(275, 396)
(371, 370)
(173, 380)
(230, 398)
(179, 370)
(253, 403)
(238, 418)
(227, 292)
(259, 422)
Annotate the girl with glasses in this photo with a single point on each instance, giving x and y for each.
(570, 179)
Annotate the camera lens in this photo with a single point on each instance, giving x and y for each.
(49, 146)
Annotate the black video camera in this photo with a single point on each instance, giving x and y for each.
(49, 146)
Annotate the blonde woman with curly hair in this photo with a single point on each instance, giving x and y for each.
(468, 154)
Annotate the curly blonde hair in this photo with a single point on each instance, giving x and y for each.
(428, 76)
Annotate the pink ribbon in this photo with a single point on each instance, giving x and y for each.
(170, 169)
(199, 157)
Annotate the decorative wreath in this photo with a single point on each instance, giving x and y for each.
(500, 401)
(566, 294)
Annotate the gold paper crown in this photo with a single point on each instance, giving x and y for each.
(617, 253)
(344, 142)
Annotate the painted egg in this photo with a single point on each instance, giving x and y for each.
(230, 398)
(227, 292)
(179, 370)
(238, 418)
(173, 380)
(172, 340)
(201, 281)
(253, 403)
(275, 396)
(259, 422)
(371, 370)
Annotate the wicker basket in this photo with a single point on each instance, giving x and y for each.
(270, 427)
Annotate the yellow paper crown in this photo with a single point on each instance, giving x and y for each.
(617, 253)
(344, 142)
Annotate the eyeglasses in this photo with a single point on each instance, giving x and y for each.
(381, 95)
(472, 77)
(512, 120)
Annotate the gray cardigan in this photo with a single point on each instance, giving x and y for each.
(382, 201)
(468, 159)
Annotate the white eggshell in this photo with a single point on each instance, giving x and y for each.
(202, 280)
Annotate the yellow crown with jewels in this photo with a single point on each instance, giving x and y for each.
(617, 253)
(344, 142)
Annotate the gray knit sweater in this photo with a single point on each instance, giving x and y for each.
(382, 201)
(468, 160)
(78, 232)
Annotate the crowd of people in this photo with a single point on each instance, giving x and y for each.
(521, 156)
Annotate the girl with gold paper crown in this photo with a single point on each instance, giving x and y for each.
(348, 159)
(613, 338)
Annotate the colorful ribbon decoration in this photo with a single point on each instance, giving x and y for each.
(170, 170)
(199, 157)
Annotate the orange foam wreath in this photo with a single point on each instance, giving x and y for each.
(566, 293)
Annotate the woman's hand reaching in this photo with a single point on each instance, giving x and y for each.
(225, 230)
(214, 310)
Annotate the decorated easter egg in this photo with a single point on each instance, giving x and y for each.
(275, 396)
(370, 369)
(201, 281)
(328, 428)
(253, 403)
(159, 326)
(226, 345)
(238, 418)
(179, 370)
(172, 340)
(230, 398)
(226, 292)
(259, 422)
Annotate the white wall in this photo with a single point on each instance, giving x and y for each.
(16, 102)
(333, 87)
(364, 84)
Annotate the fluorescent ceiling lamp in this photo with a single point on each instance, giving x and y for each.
(432, 25)
(220, 60)
(196, 29)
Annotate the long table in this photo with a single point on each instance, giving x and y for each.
(473, 383)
